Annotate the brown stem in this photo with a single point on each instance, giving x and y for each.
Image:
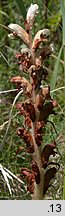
(38, 190)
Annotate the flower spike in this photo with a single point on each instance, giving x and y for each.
(36, 105)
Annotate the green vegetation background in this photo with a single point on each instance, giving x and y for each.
(49, 17)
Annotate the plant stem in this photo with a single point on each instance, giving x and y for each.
(38, 190)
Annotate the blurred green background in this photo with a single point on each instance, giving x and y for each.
(49, 16)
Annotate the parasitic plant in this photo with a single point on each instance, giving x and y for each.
(37, 106)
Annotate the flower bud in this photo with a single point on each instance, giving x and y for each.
(32, 11)
(20, 32)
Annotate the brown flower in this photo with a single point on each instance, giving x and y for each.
(27, 137)
(38, 132)
(46, 110)
(29, 175)
(28, 121)
(42, 54)
(29, 108)
(36, 172)
(36, 73)
(47, 151)
(47, 178)
(25, 59)
(44, 94)
(22, 83)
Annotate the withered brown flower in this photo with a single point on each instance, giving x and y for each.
(44, 94)
(27, 137)
(29, 108)
(46, 152)
(47, 178)
(46, 110)
(36, 172)
(29, 175)
(23, 83)
(38, 132)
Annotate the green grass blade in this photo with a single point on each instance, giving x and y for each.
(62, 6)
(10, 117)
(3, 13)
(22, 8)
(55, 72)
(64, 181)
